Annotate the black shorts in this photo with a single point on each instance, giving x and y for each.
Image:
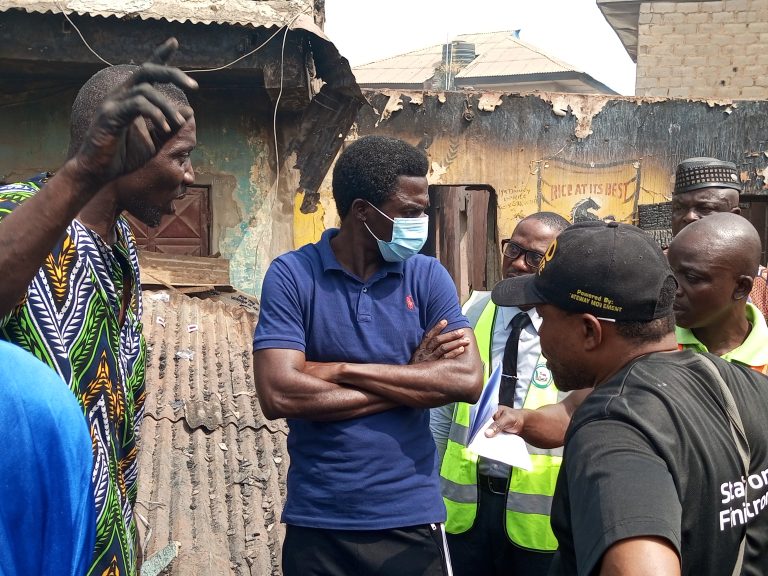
(412, 551)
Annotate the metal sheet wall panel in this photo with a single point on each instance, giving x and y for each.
(211, 467)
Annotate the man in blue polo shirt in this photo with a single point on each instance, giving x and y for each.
(335, 352)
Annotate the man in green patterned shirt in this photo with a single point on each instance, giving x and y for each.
(71, 292)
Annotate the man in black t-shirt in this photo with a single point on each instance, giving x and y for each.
(652, 481)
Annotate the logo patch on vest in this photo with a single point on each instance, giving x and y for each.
(542, 377)
(409, 302)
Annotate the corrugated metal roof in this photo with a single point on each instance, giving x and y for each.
(211, 467)
(413, 67)
(255, 13)
(498, 54)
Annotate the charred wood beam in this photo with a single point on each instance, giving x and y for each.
(323, 127)
(281, 69)
(326, 120)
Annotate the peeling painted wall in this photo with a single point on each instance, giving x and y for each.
(234, 156)
(581, 156)
(34, 133)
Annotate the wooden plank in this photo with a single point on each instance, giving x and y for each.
(755, 209)
(177, 270)
(450, 233)
(477, 230)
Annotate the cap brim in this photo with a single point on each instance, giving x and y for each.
(517, 291)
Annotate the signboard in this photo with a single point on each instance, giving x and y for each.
(589, 192)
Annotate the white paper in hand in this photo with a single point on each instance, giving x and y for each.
(507, 448)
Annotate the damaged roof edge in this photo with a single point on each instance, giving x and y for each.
(330, 65)
(237, 12)
(328, 118)
(623, 16)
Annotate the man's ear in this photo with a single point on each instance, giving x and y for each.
(359, 209)
(743, 287)
(592, 332)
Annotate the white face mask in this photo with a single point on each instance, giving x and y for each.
(408, 237)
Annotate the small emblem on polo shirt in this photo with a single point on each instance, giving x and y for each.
(409, 302)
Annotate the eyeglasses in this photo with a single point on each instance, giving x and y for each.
(513, 251)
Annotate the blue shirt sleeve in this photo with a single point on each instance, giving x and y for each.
(443, 303)
(281, 318)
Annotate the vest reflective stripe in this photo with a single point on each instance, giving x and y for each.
(529, 500)
(459, 433)
(533, 451)
(529, 503)
(461, 493)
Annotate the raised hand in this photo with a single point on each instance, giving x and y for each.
(115, 144)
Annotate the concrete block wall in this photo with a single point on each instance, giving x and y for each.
(714, 49)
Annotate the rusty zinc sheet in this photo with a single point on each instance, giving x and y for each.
(211, 467)
(255, 13)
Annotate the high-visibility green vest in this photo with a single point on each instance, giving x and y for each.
(529, 497)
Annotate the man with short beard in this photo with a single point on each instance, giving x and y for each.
(71, 292)
(704, 186)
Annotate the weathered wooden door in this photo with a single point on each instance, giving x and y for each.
(185, 232)
(755, 209)
(463, 235)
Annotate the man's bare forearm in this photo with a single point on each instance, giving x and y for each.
(28, 234)
(311, 398)
(545, 427)
(288, 387)
(318, 400)
(454, 376)
(424, 385)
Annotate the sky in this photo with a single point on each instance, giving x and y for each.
(573, 31)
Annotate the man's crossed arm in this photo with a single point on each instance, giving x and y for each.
(444, 368)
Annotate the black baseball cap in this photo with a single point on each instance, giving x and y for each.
(608, 269)
(695, 173)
